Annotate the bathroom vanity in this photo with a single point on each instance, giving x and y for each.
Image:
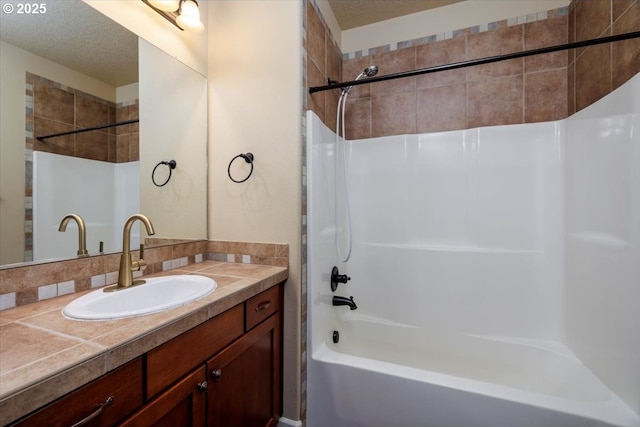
(217, 363)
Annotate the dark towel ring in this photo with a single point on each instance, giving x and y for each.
(247, 158)
(172, 166)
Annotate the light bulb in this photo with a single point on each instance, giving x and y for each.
(166, 5)
(189, 17)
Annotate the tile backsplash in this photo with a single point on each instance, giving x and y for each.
(26, 284)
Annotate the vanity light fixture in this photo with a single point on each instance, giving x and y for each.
(189, 17)
(184, 14)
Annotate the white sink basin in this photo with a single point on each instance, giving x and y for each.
(157, 294)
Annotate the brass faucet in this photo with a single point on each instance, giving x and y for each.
(82, 232)
(127, 267)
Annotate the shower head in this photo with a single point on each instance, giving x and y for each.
(368, 72)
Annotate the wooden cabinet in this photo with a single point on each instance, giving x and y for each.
(226, 372)
(183, 404)
(244, 386)
(101, 403)
(173, 359)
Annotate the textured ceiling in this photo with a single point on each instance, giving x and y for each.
(73, 34)
(356, 13)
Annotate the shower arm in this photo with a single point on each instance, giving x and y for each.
(480, 61)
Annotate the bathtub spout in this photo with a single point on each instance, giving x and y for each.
(345, 301)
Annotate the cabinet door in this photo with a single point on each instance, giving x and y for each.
(173, 359)
(184, 404)
(245, 385)
(101, 403)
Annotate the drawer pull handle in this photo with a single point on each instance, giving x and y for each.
(263, 305)
(216, 373)
(95, 413)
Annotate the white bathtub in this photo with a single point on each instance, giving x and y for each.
(390, 375)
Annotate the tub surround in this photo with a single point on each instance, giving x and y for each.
(44, 355)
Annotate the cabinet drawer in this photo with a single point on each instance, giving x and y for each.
(262, 306)
(123, 388)
(168, 362)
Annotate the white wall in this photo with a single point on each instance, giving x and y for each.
(465, 227)
(126, 93)
(603, 239)
(255, 105)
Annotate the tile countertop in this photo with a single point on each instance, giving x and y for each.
(43, 355)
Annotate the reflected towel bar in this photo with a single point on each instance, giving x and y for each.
(71, 132)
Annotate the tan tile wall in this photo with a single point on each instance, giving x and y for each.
(124, 141)
(508, 92)
(534, 89)
(54, 108)
(597, 70)
(24, 285)
(323, 61)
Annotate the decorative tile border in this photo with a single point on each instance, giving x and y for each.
(433, 38)
(249, 253)
(28, 284)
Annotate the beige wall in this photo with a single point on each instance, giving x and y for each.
(14, 63)
(173, 126)
(255, 106)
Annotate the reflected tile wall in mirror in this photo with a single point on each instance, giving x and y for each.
(53, 108)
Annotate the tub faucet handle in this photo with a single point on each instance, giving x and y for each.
(336, 278)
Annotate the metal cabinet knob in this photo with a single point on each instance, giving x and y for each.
(203, 386)
(216, 374)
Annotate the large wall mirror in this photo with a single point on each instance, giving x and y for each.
(70, 69)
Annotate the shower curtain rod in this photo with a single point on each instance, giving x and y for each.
(480, 61)
(71, 132)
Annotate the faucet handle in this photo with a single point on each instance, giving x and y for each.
(336, 278)
(140, 264)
